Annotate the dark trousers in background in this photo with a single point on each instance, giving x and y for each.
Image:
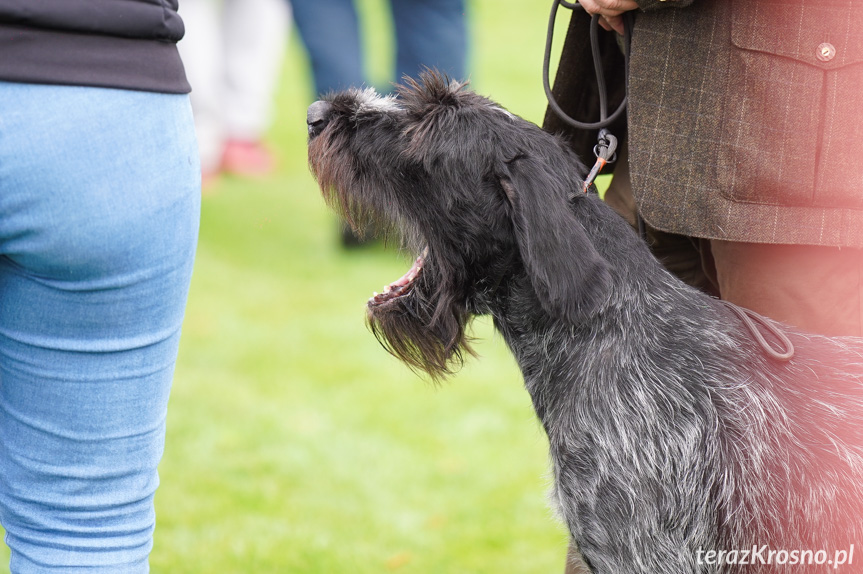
(428, 33)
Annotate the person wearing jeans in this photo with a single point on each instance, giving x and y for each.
(99, 209)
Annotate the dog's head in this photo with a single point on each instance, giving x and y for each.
(482, 196)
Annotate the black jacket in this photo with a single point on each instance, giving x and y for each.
(109, 43)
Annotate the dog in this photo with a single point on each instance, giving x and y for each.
(679, 443)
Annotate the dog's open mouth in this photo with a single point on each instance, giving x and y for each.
(401, 286)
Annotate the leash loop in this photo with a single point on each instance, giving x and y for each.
(752, 319)
(604, 120)
(606, 145)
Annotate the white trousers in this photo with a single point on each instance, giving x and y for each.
(233, 51)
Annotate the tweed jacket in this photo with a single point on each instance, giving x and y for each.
(745, 119)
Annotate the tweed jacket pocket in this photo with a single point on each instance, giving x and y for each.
(792, 130)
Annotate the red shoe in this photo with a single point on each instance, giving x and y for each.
(247, 158)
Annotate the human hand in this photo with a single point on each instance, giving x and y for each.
(609, 12)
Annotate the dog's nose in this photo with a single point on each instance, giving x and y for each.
(318, 116)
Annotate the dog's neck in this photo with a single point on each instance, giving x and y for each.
(625, 329)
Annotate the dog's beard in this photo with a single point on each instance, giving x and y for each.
(428, 337)
(420, 324)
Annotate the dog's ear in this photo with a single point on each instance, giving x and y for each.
(570, 277)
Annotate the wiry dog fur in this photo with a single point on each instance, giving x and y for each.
(671, 432)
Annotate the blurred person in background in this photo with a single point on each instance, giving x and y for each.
(428, 34)
(99, 209)
(233, 51)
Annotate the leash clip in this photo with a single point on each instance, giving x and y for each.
(605, 151)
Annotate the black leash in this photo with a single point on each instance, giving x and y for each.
(606, 146)
(605, 152)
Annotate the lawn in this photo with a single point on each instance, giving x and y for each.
(296, 444)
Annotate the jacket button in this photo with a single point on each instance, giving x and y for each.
(826, 52)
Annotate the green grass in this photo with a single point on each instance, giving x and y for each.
(295, 443)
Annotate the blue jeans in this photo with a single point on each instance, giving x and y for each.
(429, 34)
(99, 209)
(330, 31)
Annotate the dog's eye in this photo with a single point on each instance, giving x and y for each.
(515, 158)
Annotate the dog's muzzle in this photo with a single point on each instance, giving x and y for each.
(318, 116)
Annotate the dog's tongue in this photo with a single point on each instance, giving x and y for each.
(401, 285)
